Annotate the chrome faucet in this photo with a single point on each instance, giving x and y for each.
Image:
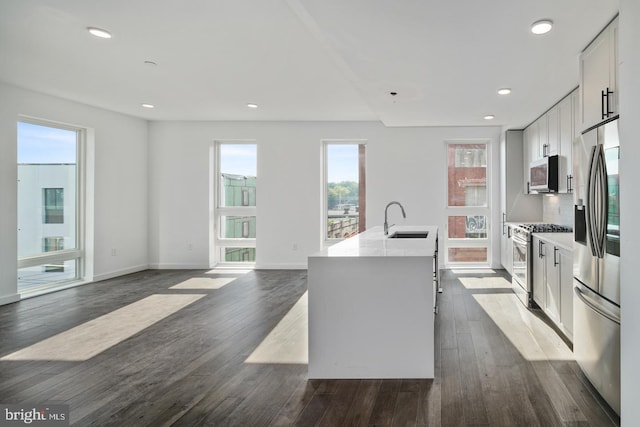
(386, 224)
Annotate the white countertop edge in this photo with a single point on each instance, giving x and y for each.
(563, 240)
(372, 243)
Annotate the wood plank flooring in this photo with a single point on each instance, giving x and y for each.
(497, 363)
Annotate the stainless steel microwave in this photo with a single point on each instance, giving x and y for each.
(543, 175)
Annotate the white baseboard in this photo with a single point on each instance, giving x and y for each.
(117, 273)
(8, 299)
(272, 266)
(173, 266)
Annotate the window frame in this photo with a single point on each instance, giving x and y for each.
(362, 168)
(219, 212)
(467, 211)
(78, 253)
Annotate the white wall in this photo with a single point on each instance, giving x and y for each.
(119, 185)
(629, 88)
(404, 164)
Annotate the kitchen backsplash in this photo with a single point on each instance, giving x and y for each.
(557, 209)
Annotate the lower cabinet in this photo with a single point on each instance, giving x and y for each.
(539, 273)
(553, 283)
(506, 249)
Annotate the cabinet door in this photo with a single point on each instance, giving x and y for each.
(613, 67)
(566, 292)
(538, 137)
(552, 294)
(506, 247)
(549, 132)
(565, 143)
(539, 272)
(526, 135)
(595, 77)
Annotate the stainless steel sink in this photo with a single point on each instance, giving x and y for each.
(409, 235)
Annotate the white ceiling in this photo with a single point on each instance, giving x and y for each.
(303, 59)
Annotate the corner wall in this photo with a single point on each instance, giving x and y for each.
(119, 183)
(629, 88)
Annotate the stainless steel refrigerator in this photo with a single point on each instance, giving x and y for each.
(596, 259)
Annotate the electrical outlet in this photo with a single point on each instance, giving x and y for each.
(294, 247)
(190, 246)
(114, 252)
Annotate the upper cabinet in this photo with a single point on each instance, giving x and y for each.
(599, 78)
(553, 134)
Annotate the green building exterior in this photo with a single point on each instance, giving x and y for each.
(239, 190)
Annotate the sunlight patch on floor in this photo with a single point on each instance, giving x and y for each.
(204, 283)
(485, 282)
(530, 335)
(95, 336)
(288, 342)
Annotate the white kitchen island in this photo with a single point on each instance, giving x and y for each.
(371, 306)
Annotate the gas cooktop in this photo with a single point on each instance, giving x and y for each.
(545, 228)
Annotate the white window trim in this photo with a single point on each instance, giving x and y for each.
(324, 187)
(217, 243)
(79, 252)
(468, 210)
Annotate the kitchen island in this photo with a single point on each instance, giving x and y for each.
(371, 306)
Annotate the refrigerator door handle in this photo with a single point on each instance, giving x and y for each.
(591, 198)
(604, 202)
(593, 307)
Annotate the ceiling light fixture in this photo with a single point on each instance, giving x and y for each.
(250, 105)
(99, 32)
(541, 27)
(489, 117)
(148, 106)
(504, 91)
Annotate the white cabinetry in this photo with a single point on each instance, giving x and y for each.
(539, 272)
(566, 291)
(553, 283)
(599, 78)
(551, 144)
(506, 249)
(553, 134)
(566, 134)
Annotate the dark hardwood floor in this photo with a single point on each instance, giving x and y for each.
(497, 363)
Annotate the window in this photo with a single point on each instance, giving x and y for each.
(467, 204)
(50, 171)
(53, 202)
(344, 189)
(235, 212)
(51, 244)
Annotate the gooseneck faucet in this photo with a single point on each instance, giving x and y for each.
(386, 224)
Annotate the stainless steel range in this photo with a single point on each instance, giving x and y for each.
(521, 279)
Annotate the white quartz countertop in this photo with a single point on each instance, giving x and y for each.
(373, 243)
(563, 240)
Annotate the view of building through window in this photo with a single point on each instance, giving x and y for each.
(47, 205)
(236, 211)
(467, 236)
(345, 189)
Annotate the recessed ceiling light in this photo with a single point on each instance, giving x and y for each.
(250, 105)
(99, 32)
(489, 117)
(504, 91)
(541, 27)
(148, 106)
